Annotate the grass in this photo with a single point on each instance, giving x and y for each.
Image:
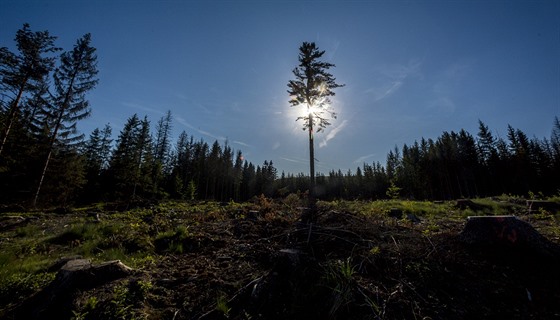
(141, 237)
(339, 278)
(222, 306)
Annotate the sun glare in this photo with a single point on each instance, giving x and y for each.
(312, 109)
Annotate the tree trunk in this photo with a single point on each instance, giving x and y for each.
(311, 164)
(49, 155)
(67, 98)
(42, 178)
(12, 115)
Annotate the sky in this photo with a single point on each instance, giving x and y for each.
(411, 69)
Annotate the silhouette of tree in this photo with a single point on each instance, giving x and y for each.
(72, 80)
(24, 72)
(312, 88)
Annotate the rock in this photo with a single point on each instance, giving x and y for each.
(507, 234)
(412, 218)
(62, 261)
(53, 302)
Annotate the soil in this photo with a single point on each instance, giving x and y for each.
(340, 266)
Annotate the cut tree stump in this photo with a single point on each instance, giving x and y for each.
(78, 274)
(395, 213)
(507, 234)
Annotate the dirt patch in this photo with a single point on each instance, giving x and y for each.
(345, 265)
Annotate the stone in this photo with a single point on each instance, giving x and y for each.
(412, 218)
(507, 233)
(76, 274)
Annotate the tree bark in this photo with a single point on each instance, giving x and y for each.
(12, 115)
(311, 164)
(67, 98)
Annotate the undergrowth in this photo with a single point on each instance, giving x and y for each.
(142, 237)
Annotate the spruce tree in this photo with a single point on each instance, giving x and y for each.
(312, 88)
(162, 143)
(122, 167)
(74, 77)
(24, 72)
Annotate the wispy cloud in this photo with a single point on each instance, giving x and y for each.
(203, 132)
(392, 77)
(181, 96)
(333, 133)
(388, 90)
(242, 143)
(363, 158)
(143, 108)
(442, 105)
(448, 83)
(293, 160)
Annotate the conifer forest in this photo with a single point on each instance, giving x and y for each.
(45, 160)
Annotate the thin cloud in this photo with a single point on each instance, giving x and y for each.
(242, 144)
(362, 159)
(333, 134)
(442, 105)
(392, 78)
(293, 160)
(211, 135)
(385, 92)
(143, 108)
(206, 133)
(181, 96)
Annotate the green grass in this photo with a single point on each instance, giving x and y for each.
(138, 236)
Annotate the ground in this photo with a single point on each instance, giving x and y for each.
(258, 260)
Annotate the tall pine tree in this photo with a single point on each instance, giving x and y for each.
(24, 72)
(312, 89)
(75, 76)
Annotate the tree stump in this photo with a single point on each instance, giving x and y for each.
(54, 301)
(395, 213)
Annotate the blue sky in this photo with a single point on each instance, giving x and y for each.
(412, 69)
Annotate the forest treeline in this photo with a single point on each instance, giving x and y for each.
(457, 165)
(45, 161)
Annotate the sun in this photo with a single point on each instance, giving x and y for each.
(311, 109)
